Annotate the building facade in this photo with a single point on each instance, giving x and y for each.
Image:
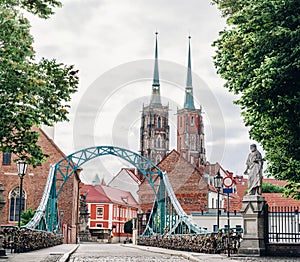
(154, 131)
(190, 128)
(33, 188)
(109, 209)
(127, 179)
(188, 184)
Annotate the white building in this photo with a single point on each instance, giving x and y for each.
(127, 179)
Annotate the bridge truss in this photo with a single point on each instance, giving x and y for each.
(167, 215)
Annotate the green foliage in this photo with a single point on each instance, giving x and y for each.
(128, 227)
(258, 56)
(32, 93)
(26, 216)
(271, 188)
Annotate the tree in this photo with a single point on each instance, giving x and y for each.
(26, 216)
(31, 93)
(271, 188)
(258, 56)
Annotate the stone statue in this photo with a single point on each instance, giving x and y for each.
(254, 171)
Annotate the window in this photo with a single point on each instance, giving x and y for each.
(14, 202)
(115, 211)
(193, 143)
(6, 158)
(99, 211)
(158, 159)
(99, 225)
(180, 119)
(158, 142)
(212, 202)
(159, 122)
(192, 121)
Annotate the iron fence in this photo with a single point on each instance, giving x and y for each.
(283, 225)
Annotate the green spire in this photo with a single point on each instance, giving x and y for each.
(155, 99)
(189, 99)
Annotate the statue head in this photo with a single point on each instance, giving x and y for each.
(253, 147)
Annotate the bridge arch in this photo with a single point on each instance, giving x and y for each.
(167, 215)
(65, 168)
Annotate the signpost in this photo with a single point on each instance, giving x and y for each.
(228, 183)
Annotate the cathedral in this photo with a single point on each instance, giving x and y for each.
(154, 131)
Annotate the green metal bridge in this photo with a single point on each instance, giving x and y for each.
(167, 215)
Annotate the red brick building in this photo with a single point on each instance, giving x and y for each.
(188, 184)
(109, 208)
(33, 188)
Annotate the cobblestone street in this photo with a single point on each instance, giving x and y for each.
(118, 253)
(126, 258)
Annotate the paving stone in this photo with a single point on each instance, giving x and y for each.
(127, 258)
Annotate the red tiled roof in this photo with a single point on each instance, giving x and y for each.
(95, 194)
(187, 182)
(277, 200)
(105, 194)
(235, 203)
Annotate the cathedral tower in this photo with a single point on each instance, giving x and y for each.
(190, 129)
(154, 132)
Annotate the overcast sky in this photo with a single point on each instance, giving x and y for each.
(111, 42)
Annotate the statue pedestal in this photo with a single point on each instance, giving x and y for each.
(253, 211)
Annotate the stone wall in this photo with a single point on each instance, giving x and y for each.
(283, 249)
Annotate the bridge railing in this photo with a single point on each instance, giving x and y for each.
(20, 240)
(213, 243)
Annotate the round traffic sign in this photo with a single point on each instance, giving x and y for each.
(227, 181)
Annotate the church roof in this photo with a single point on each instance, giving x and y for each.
(155, 98)
(181, 173)
(187, 182)
(189, 99)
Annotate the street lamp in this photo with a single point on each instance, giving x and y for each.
(218, 185)
(22, 167)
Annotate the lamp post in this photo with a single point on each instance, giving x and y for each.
(218, 185)
(22, 167)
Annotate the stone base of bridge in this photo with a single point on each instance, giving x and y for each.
(253, 211)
